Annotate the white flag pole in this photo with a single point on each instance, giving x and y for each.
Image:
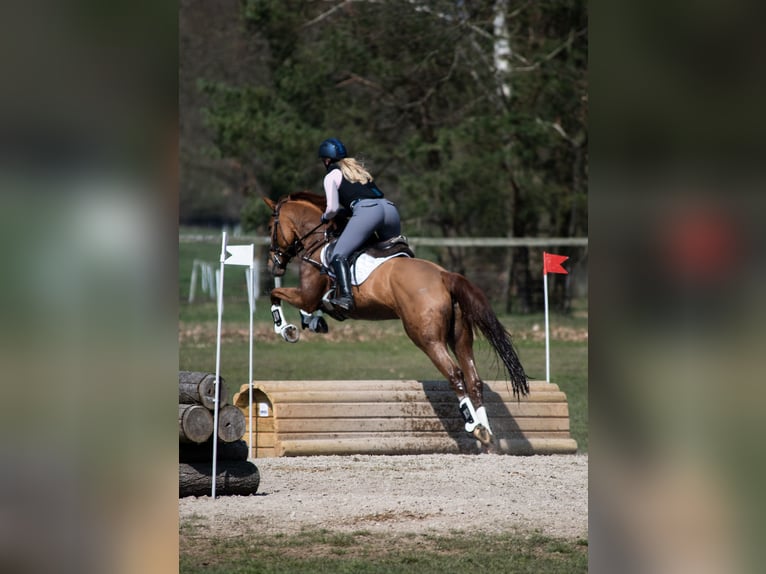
(251, 298)
(547, 331)
(245, 255)
(218, 361)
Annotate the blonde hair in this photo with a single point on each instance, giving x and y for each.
(354, 171)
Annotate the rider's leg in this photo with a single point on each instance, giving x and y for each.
(343, 296)
(368, 215)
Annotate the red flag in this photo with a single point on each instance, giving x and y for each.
(552, 263)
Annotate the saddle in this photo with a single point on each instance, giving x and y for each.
(375, 248)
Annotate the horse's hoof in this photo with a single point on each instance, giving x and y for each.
(320, 326)
(482, 434)
(291, 334)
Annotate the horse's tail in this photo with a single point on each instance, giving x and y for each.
(477, 312)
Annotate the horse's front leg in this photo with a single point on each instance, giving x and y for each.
(293, 296)
(307, 299)
(311, 320)
(314, 322)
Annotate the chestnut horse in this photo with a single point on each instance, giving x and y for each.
(438, 309)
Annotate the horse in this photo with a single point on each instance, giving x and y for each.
(440, 310)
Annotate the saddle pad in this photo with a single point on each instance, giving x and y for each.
(362, 267)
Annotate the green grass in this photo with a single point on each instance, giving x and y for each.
(363, 552)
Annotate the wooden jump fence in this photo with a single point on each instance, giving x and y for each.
(300, 418)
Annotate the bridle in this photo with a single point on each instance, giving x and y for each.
(281, 257)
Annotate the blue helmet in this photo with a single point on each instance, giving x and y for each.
(332, 148)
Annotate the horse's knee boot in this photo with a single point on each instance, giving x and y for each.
(343, 296)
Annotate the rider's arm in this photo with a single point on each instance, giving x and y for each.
(332, 182)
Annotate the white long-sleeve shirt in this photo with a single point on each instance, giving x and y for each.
(332, 182)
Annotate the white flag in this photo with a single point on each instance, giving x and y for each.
(240, 255)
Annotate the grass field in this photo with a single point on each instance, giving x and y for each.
(364, 350)
(362, 552)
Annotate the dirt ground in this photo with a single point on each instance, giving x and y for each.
(410, 493)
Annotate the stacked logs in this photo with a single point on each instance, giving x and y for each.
(196, 410)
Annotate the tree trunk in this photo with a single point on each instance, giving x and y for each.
(232, 478)
(501, 48)
(195, 423)
(231, 423)
(199, 388)
(236, 450)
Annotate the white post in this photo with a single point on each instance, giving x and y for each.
(547, 332)
(250, 274)
(218, 361)
(193, 281)
(208, 284)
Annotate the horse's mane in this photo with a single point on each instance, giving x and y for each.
(319, 201)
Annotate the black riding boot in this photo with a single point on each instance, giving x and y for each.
(343, 297)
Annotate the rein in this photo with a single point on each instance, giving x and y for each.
(280, 258)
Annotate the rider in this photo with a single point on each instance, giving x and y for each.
(349, 185)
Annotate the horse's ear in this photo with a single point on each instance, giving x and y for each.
(270, 203)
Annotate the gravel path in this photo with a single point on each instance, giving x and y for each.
(411, 493)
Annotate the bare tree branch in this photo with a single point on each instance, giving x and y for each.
(357, 79)
(334, 9)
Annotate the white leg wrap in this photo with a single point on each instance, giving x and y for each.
(481, 414)
(289, 333)
(469, 414)
(279, 319)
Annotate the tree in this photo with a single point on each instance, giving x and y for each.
(472, 116)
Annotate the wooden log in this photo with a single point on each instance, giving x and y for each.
(390, 396)
(377, 391)
(383, 385)
(199, 388)
(231, 423)
(195, 424)
(418, 444)
(458, 436)
(409, 424)
(236, 450)
(233, 477)
(415, 409)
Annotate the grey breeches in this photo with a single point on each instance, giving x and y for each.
(369, 216)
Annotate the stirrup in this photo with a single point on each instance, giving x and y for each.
(345, 303)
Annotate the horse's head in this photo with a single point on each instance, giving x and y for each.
(291, 222)
(284, 239)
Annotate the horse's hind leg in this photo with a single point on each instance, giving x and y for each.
(461, 343)
(433, 342)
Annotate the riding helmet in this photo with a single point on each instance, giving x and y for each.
(332, 148)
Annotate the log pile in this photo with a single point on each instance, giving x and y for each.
(196, 419)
